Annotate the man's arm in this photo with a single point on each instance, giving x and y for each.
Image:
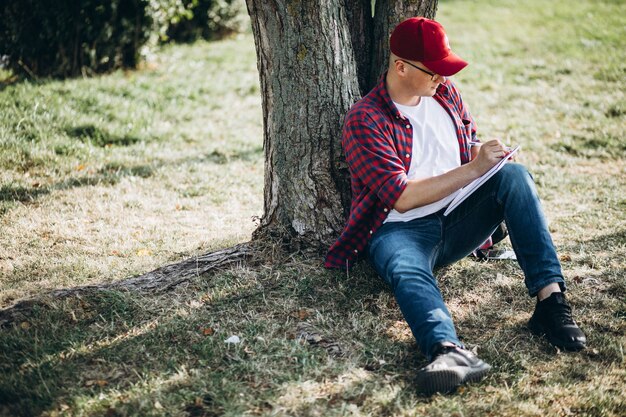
(422, 191)
(371, 155)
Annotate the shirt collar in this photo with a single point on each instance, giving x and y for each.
(383, 93)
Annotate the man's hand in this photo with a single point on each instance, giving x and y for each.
(489, 154)
(422, 191)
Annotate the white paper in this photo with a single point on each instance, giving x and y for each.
(474, 185)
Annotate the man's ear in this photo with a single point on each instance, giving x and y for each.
(399, 67)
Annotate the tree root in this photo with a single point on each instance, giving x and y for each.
(160, 280)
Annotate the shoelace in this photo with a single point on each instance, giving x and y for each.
(446, 349)
(562, 313)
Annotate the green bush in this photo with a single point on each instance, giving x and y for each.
(66, 38)
(210, 19)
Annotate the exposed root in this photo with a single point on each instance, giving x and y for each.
(157, 281)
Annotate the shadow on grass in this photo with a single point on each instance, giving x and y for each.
(112, 173)
(222, 158)
(119, 352)
(100, 137)
(602, 146)
(109, 175)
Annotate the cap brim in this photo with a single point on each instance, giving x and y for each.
(448, 66)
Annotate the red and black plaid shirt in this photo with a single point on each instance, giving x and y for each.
(378, 143)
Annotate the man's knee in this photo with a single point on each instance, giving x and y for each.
(402, 272)
(515, 171)
(516, 176)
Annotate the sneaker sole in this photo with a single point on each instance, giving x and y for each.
(447, 380)
(538, 330)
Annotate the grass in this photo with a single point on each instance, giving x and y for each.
(109, 177)
(113, 176)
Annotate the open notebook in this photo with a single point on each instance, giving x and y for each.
(474, 185)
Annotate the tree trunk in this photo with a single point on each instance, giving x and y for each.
(315, 59)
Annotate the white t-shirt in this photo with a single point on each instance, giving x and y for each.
(435, 151)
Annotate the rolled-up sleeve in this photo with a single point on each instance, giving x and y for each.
(372, 157)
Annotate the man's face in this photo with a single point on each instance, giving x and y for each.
(420, 79)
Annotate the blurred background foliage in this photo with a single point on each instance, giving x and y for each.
(66, 38)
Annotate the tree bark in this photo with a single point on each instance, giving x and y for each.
(315, 59)
(308, 80)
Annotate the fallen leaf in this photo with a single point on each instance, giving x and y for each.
(80, 167)
(565, 258)
(302, 314)
(99, 382)
(208, 331)
(590, 281)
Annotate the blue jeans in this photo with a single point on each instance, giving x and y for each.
(405, 253)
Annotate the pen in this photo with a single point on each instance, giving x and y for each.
(476, 143)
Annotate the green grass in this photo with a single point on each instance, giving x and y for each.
(108, 177)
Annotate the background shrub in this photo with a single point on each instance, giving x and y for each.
(65, 38)
(210, 19)
(68, 37)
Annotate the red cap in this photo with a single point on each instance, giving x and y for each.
(423, 40)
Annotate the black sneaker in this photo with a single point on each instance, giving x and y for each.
(553, 317)
(451, 367)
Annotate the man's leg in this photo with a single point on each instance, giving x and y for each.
(511, 195)
(403, 254)
(508, 195)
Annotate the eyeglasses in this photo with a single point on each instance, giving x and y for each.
(433, 76)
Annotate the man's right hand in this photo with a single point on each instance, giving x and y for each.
(490, 154)
(422, 191)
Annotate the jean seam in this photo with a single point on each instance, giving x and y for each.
(541, 283)
(436, 248)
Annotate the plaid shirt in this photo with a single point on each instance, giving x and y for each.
(378, 142)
